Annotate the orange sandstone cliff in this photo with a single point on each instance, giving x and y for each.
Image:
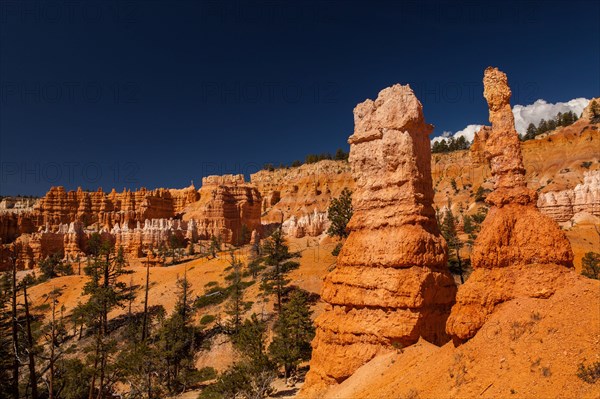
(228, 208)
(62, 221)
(391, 285)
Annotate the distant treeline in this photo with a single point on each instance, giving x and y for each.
(340, 155)
(451, 144)
(454, 144)
(544, 126)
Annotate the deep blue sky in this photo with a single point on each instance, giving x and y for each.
(157, 93)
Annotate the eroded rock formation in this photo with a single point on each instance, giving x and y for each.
(584, 197)
(391, 285)
(519, 251)
(228, 208)
(293, 195)
(107, 210)
(61, 221)
(311, 224)
(152, 234)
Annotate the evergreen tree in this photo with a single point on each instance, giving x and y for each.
(449, 232)
(440, 146)
(341, 155)
(542, 127)
(590, 265)
(72, 379)
(531, 132)
(146, 290)
(236, 305)
(595, 110)
(252, 375)
(31, 346)
(339, 213)
(215, 246)
(105, 293)
(49, 266)
(5, 334)
(294, 332)
(139, 365)
(14, 390)
(175, 243)
(176, 341)
(278, 258)
(55, 337)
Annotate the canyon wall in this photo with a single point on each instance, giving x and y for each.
(62, 221)
(563, 205)
(554, 164)
(109, 209)
(391, 285)
(299, 197)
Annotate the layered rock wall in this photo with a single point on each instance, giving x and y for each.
(391, 285)
(60, 222)
(294, 195)
(228, 208)
(584, 197)
(108, 209)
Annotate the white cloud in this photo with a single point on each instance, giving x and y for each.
(468, 132)
(524, 115)
(534, 113)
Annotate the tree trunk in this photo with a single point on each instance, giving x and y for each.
(15, 333)
(52, 339)
(102, 370)
(145, 322)
(104, 296)
(95, 370)
(279, 286)
(30, 347)
(462, 279)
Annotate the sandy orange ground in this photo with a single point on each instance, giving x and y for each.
(530, 348)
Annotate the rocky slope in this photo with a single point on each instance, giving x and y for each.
(391, 285)
(528, 349)
(553, 164)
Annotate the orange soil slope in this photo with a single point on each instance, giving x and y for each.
(530, 348)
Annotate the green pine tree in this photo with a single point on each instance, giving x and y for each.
(277, 257)
(590, 265)
(236, 306)
(448, 228)
(294, 332)
(339, 213)
(531, 132)
(105, 292)
(176, 341)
